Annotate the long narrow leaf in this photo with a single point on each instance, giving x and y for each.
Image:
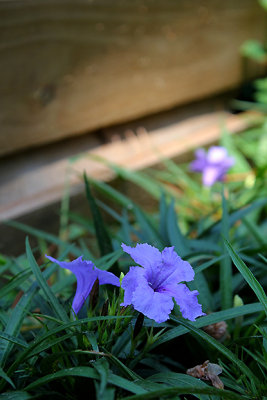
(205, 297)
(176, 237)
(248, 276)
(150, 233)
(43, 235)
(17, 316)
(179, 380)
(4, 376)
(64, 327)
(210, 319)
(87, 372)
(138, 178)
(14, 340)
(239, 214)
(111, 193)
(53, 301)
(110, 259)
(15, 282)
(176, 390)
(226, 286)
(103, 238)
(162, 219)
(16, 395)
(14, 323)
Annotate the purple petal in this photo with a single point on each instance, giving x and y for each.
(130, 283)
(106, 277)
(186, 299)
(200, 162)
(86, 273)
(216, 155)
(228, 163)
(211, 174)
(143, 254)
(181, 270)
(171, 270)
(214, 164)
(154, 305)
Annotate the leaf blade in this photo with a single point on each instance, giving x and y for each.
(248, 276)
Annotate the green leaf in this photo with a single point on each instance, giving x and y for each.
(179, 380)
(50, 297)
(179, 175)
(92, 340)
(127, 372)
(241, 164)
(210, 319)
(239, 214)
(103, 239)
(257, 357)
(14, 323)
(205, 297)
(44, 235)
(253, 49)
(87, 372)
(176, 390)
(226, 285)
(102, 367)
(47, 345)
(254, 231)
(14, 340)
(37, 344)
(111, 193)
(162, 218)
(109, 210)
(15, 282)
(176, 237)
(261, 152)
(109, 260)
(15, 395)
(208, 264)
(17, 316)
(263, 3)
(139, 178)
(126, 228)
(147, 229)
(248, 276)
(4, 376)
(263, 258)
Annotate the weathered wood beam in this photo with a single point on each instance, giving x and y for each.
(71, 67)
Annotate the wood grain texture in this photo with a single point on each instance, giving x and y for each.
(70, 67)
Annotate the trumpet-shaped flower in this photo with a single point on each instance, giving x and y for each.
(214, 164)
(150, 289)
(86, 274)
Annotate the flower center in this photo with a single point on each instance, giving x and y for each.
(155, 287)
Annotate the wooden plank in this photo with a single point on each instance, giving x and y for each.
(33, 180)
(71, 67)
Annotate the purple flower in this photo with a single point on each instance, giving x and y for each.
(86, 274)
(151, 289)
(214, 164)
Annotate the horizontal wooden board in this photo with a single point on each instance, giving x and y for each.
(68, 67)
(31, 181)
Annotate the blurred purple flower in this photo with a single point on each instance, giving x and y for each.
(86, 274)
(214, 164)
(150, 289)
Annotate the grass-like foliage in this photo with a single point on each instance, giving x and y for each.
(110, 352)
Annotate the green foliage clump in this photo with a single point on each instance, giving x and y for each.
(110, 352)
